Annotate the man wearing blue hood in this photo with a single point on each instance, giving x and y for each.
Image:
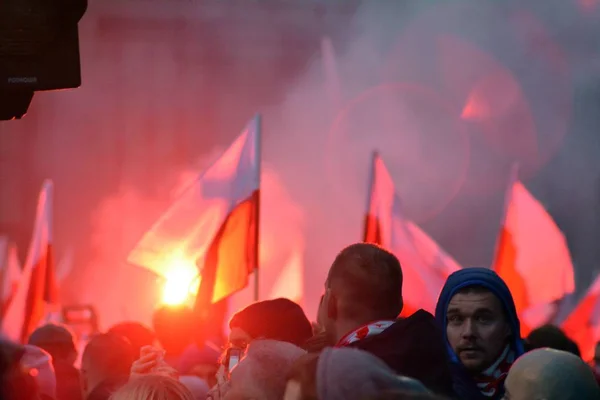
(482, 329)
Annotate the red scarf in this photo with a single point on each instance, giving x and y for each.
(490, 380)
(372, 329)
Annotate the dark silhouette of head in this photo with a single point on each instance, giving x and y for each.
(106, 357)
(278, 319)
(553, 337)
(138, 334)
(57, 340)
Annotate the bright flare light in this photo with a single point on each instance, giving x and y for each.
(182, 281)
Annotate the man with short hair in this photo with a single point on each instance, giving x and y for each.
(482, 332)
(105, 365)
(362, 301)
(551, 374)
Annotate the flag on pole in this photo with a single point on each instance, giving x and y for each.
(532, 255)
(65, 265)
(10, 273)
(425, 265)
(212, 227)
(38, 282)
(583, 324)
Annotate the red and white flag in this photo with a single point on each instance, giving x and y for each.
(10, 273)
(213, 225)
(38, 282)
(583, 324)
(425, 265)
(532, 255)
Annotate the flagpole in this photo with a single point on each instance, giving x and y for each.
(257, 137)
(512, 179)
(371, 181)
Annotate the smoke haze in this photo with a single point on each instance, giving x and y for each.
(450, 94)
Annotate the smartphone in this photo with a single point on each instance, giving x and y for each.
(234, 356)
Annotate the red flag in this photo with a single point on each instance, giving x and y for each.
(231, 257)
(583, 324)
(38, 282)
(213, 224)
(425, 265)
(532, 256)
(10, 273)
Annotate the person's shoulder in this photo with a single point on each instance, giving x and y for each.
(419, 320)
(419, 329)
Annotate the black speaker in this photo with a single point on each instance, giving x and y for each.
(39, 50)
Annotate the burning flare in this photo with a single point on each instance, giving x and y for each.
(181, 282)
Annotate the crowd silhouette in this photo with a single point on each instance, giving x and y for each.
(357, 349)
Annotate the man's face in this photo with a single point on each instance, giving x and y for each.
(477, 328)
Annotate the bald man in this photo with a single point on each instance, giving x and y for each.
(550, 375)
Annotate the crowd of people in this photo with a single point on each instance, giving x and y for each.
(357, 349)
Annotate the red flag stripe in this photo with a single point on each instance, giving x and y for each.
(506, 267)
(232, 255)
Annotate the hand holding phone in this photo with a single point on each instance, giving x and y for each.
(233, 357)
(150, 359)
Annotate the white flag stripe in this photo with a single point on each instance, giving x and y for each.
(42, 232)
(10, 268)
(12, 323)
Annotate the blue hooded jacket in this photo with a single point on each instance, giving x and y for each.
(464, 385)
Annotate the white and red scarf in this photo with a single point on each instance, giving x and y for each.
(490, 380)
(365, 331)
